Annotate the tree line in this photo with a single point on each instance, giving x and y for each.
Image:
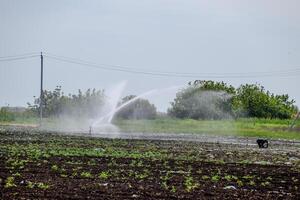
(89, 104)
(201, 99)
(216, 100)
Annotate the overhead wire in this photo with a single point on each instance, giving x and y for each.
(106, 67)
(290, 72)
(168, 72)
(121, 68)
(19, 55)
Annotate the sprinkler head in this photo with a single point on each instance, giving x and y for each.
(90, 130)
(262, 143)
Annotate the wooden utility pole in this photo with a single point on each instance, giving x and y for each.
(41, 92)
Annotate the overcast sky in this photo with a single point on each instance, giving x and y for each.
(195, 36)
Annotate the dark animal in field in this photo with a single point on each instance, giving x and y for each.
(262, 143)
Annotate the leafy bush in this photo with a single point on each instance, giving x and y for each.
(217, 100)
(203, 100)
(257, 102)
(6, 116)
(55, 103)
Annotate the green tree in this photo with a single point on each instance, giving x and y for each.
(138, 109)
(5, 115)
(203, 100)
(217, 100)
(55, 103)
(257, 102)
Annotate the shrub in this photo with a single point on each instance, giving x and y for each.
(55, 103)
(6, 116)
(217, 100)
(203, 100)
(257, 102)
(138, 109)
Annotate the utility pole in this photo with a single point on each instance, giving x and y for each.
(41, 92)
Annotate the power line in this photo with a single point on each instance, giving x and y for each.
(108, 66)
(105, 67)
(291, 72)
(18, 58)
(19, 55)
(121, 67)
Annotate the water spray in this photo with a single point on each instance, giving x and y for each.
(107, 119)
(90, 130)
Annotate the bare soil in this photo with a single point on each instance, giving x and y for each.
(185, 170)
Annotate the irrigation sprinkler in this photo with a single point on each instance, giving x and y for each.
(294, 122)
(41, 92)
(90, 130)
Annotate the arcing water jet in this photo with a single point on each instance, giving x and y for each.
(106, 119)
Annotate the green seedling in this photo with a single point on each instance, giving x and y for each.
(215, 178)
(103, 175)
(252, 183)
(30, 185)
(42, 186)
(10, 182)
(54, 167)
(86, 175)
(248, 177)
(266, 183)
(17, 174)
(173, 189)
(240, 183)
(190, 184)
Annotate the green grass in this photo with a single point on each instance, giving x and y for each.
(250, 127)
(26, 117)
(6, 116)
(26, 120)
(247, 127)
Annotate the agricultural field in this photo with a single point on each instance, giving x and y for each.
(245, 127)
(44, 165)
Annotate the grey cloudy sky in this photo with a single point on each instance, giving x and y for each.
(169, 35)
